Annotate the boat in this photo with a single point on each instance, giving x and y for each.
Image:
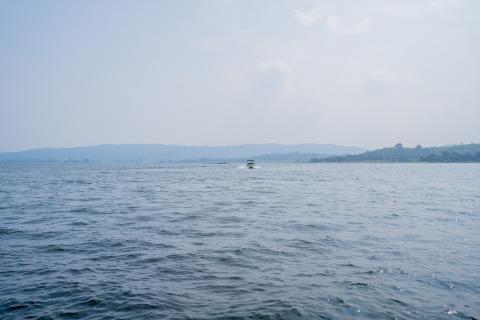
(251, 164)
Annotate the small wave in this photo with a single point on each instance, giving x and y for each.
(76, 181)
(81, 210)
(358, 284)
(52, 248)
(76, 271)
(79, 223)
(10, 231)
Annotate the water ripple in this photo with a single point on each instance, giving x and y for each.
(291, 241)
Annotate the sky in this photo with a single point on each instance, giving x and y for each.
(364, 73)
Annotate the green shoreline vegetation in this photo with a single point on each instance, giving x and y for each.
(461, 153)
(448, 154)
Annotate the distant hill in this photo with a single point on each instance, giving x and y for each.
(282, 157)
(398, 153)
(167, 153)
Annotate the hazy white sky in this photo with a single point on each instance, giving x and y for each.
(367, 73)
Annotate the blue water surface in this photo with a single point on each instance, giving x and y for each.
(284, 241)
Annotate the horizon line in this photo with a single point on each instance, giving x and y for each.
(220, 146)
(184, 145)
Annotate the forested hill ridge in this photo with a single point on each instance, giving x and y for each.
(174, 153)
(399, 153)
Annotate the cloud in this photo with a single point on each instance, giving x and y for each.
(269, 78)
(272, 73)
(442, 5)
(419, 8)
(380, 80)
(307, 17)
(277, 66)
(338, 26)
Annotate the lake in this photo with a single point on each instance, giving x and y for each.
(284, 241)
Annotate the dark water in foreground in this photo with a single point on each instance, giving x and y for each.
(314, 241)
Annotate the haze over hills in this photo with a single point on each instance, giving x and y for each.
(166, 153)
(398, 153)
